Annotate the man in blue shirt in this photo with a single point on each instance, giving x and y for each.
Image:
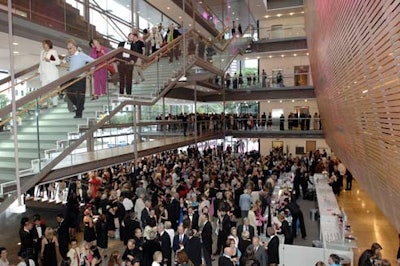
(76, 92)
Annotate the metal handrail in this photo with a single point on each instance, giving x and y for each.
(19, 74)
(20, 82)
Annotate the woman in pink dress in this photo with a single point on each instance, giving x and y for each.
(100, 75)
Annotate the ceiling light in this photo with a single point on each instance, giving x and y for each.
(16, 52)
(138, 12)
(180, 17)
(282, 55)
(302, 12)
(270, 56)
(307, 53)
(237, 18)
(127, 5)
(280, 101)
(233, 13)
(168, 8)
(190, 25)
(279, 15)
(266, 16)
(305, 100)
(229, 6)
(268, 101)
(258, 57)
(364, 91)
(291, 13)
(247, 58)
(294, 54)
(15, 43)
(292, 101)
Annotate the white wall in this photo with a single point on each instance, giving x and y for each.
(287, 65)
(291, 143)
(288, 106)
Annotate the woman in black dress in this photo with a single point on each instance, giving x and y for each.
(102, 233)
(89, 235)
(49, 244)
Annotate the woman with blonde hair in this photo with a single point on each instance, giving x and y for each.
(49, 244)
(157, 258)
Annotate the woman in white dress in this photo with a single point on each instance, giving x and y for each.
(49, 61)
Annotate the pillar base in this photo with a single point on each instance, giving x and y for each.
(15, 208)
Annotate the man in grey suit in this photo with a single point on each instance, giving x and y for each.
(259, 251)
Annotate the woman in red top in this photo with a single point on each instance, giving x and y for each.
(94, 182)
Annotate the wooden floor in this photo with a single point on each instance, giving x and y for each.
(368, 223)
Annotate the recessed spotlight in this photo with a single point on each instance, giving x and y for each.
(291, 13)
(280, 101)
(15, 43)
(279, 15)
(237, 18)
(305, 100)
(292, 101)
(294, 54)
(266, 16)
(270, 56)
(180, 17)
(282, 55)
(364, 91)
(128, 5)
(258, 57)
(233, 13)
(247, 58)
(229, 7)
(138, 12)
(307, 53)
(16, 52)
(168, 8)
(268, 101)
(302, 12)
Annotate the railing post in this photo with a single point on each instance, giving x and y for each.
(135, 134)
(90, 140)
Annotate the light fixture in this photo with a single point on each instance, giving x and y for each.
(270, 56)
(307, 53)
(279, 15)
(168, 8)
(292, 101)
(247, 58)
(266, 16)
(233, 13)
(282, 55)
(302, 12)
(268, 101)
(280, 101)
(258, 57)
(138, 12)
(364, 91)
(291, 13)
(305, 100)
(180, 17)
(15, 43)
(294, 54)
(16, 52)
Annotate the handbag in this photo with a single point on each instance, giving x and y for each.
(111, 69)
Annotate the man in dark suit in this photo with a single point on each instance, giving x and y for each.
(194, 218)
(165, 242)
(125, 68)
(225, 258)
(193, 248)
(206, 236)
(180, 239)
(37, 233)
(145, 213)
(245, 227)
(173, 211)
(273, 247)
(63, 235)
(259, 251)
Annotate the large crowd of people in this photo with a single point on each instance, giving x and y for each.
(172, 206)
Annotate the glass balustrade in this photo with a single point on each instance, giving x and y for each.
(276, 32)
